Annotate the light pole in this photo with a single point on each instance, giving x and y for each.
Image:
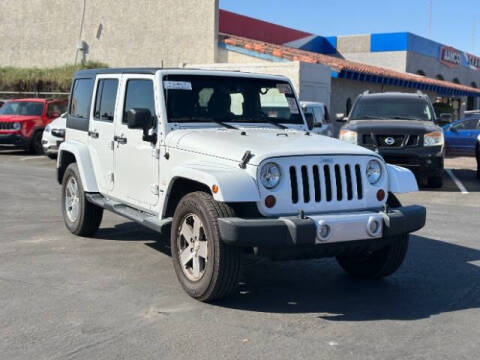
(430, 20)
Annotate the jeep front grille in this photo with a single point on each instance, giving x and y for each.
(326, 183)
(6, 125)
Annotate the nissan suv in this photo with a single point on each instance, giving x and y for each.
(224, 163)
(402, 128)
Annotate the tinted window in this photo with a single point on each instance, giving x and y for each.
(410, 108)
(105, 99)
(81, 97)
(139, 95)
(22, 108)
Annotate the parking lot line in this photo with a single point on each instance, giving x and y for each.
(456, 181)
(25, 158)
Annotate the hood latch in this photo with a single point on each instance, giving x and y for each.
(245, 159)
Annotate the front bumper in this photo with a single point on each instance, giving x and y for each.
(14, 139)
(297, 232)
(421, 161)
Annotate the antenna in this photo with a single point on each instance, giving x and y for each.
(474, 25)
(430, 20)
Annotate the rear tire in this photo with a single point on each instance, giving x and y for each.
(379, 263)
(80, 216)
(36, 146)
(195, 239)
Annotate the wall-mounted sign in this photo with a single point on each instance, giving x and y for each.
(450, 56)
(473, 61)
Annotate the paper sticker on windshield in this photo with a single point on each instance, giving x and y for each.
(284, 88)
(292, 104)
(177, 85)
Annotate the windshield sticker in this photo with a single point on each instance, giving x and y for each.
(177, 85)
(292, 104)
(284, 88)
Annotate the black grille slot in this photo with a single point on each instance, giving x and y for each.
(413, 140)
(6, 125)
(358, 175)
(328, 182)
(316, 183)
(306, 185)
(294, 184)
(349, 182)
(338, 181)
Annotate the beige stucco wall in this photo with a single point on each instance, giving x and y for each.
(133, 33)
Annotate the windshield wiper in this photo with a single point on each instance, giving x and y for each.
(228, 126)
(405, 118)
(369, 117)
(270, 121)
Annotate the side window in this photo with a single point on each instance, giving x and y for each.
(105, 99)
(139, 94)
(56, 107)
(466, 125)
(81, 97)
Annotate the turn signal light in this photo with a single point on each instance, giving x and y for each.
(380, 195)
(214, 189)
(270, 201)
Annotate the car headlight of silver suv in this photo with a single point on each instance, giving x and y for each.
(374, 171)
(270, 175)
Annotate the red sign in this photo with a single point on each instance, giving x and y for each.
(450, 56)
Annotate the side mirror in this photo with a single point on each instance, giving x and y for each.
(309, 119)
(453, 129)
(54, 114)
(141, 119)
(340, 117)
(444, 119)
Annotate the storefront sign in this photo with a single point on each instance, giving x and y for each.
(473, 61)
(450, 56)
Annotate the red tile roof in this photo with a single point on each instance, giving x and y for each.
(337, 64)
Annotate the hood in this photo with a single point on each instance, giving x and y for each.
(59, 123)
(263, 143)
(393, 126)
(13, 118)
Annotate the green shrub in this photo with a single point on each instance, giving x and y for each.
(56, 79)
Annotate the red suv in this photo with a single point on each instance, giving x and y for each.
(22, 121)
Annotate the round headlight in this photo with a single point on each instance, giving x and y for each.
(17, 126)
(374, 171)
(270, 175)
(48, 128)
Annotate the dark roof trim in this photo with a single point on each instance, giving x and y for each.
(94, 72)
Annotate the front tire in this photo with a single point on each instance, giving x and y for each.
(80, 216)
(435, 182)
(379, 263)
(206, 267)
(36, 146)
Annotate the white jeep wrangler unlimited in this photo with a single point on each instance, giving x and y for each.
(225, 163)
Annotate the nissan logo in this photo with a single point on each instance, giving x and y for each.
(389, 141)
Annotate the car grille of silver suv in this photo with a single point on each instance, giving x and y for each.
(326, 183)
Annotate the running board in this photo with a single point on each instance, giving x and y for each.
(141, 217)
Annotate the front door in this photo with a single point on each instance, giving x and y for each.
(101, 129)
(461, 137)
(136, 163)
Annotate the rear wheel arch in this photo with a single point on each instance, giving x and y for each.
(65, 158)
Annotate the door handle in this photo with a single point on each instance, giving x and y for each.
(120, 139)
(93, 134)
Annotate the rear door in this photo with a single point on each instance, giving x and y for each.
(101, 129)
(136, 162)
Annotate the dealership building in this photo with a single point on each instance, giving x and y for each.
(195, 33)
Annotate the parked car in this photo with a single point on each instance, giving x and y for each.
(461, 136)
(22, 122)
(402, 128)
(54, 135)
(194, 153)
(317, 117)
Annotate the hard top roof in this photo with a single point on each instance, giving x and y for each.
(394, 95)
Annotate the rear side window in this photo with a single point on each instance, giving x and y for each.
(139, 95)
(81, 98)
(105, 99)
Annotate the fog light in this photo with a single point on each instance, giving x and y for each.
(324, 231)
(270, 201)
(373, 226)
(380, 195)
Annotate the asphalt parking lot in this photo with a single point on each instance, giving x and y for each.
(116, 296)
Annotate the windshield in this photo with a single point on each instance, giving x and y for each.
(22, 108)
(392, 108)
(206, 98)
